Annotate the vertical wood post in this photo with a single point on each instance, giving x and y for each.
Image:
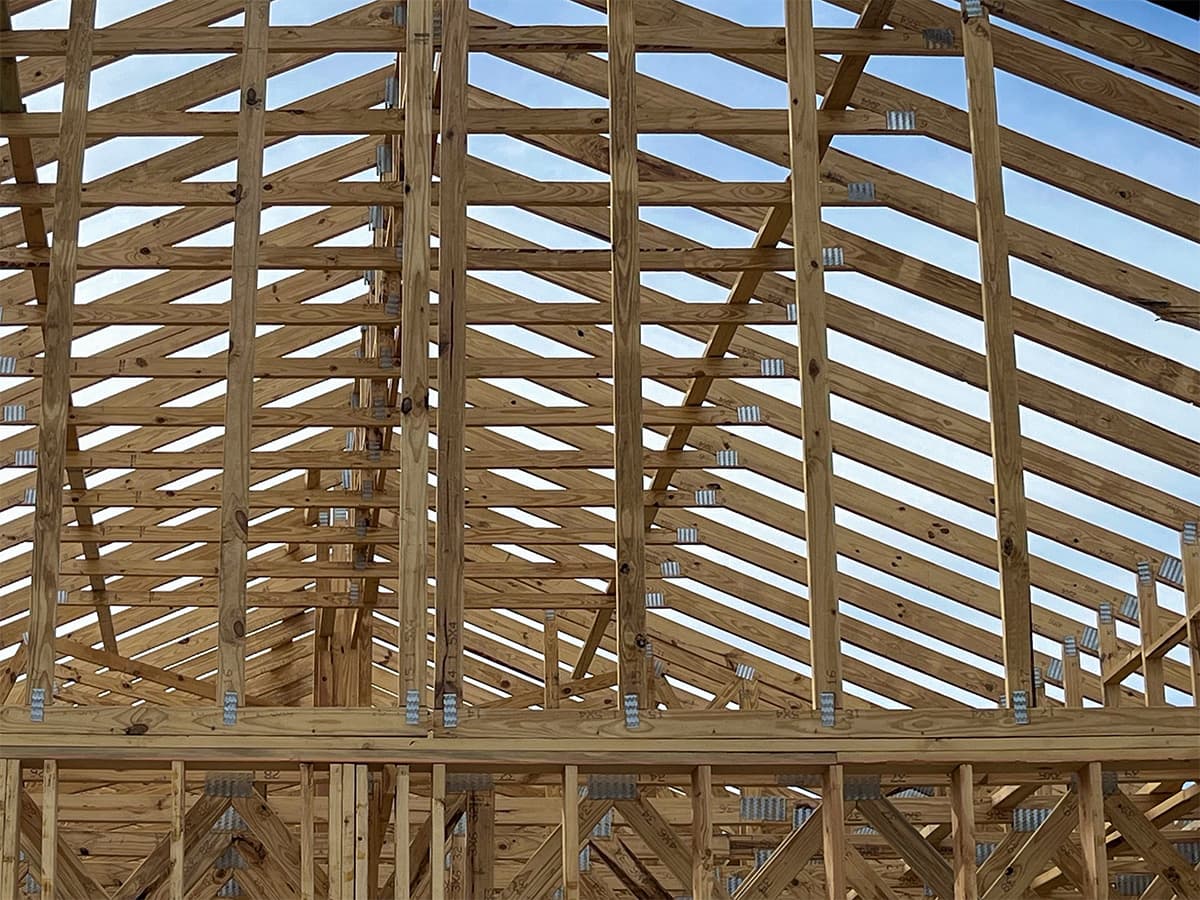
(401, 837)
(49, 881)
(550, 674)
(1189, 553)
(414, 350)
(833, 831)
(308, 817)
(627, 354)
(1092, 832)
(1106, 626)
(1072, 674)
(816, 428)
(479, 868)
(177, 877)
(239, 388)
(437, 835)
(962, 832)
(56, 339)
(452, 353)
(703, 857)
(362, 833)
(1148, 623)
(1003, 392)
(570, 833)
(10, 826)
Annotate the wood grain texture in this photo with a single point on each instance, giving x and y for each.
(628, 420)
(1007, 464)
(239, 394)
(57, 333)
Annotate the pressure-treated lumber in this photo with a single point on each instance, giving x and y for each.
(239, 393)
(813, 358)
(452, 355)
(57, 333)
(1008, 470)
(630, 580)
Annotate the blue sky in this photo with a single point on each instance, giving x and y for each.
(1023, 106)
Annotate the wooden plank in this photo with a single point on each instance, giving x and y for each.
(550, 665)
(56, 339)
(570, 833)
(289, 122)
(402, 874)
(239, 391)
(659, 836)
(1072, 674)
(1092, 832)
(10, 826)
(924, 859)
(805, 154)
(49, 882)
(1003, 397)
(362, 830)
(438, 838)
(1029, 861)
(480, 191)
(833, 831)
(1159, 855)
(308, 834)
(773, 877)
(414, 378)
(480, 863)
(1150, 628)
(1189, 554)
(24, 170)
(962, 832)
(178, 829)
(120, 40)
(452, 353)
(704, 860)
(630, 579)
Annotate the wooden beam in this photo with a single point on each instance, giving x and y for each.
(1145, 838)
(308, 815)
(1013, 882)
(924, 859)
(10, 826)
(1092, 833)
(56, 338)
(1150, 629)
(157, 865)
(1003, 396)
(414, 376)
(962, 832)
(1072, 673)
(239, 390)
(362, 833)
(452, 354)
(833, 831)
(550, 665)
(437, 834)
(401, 838)
(659, 836)
(630, 545)
(805, 154)
(480, 863)
(703, 857)
(179, 830)
(775, 876)
(49, 882)
(570, 833)
(1189, 554)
